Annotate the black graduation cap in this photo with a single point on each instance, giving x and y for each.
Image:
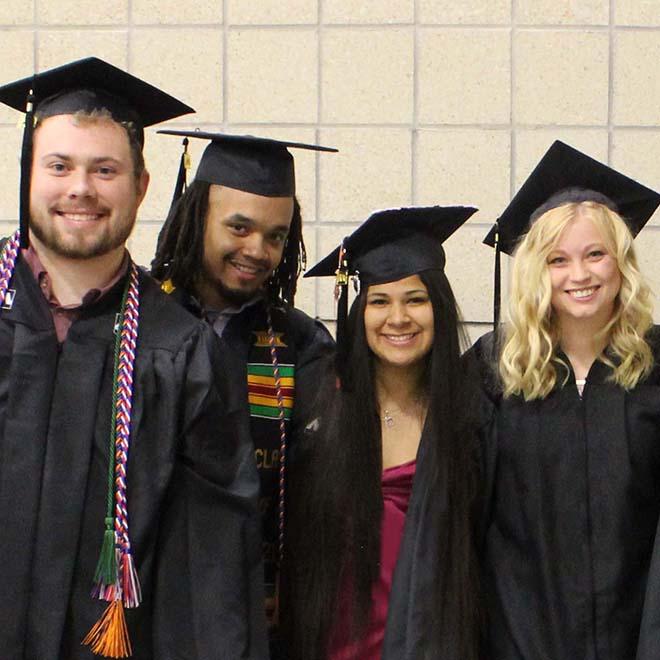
(395, 243)
(262, 166)
(388, 246)
(561, 168)
(566, 175)
(84, 85)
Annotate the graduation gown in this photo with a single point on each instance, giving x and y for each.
(572, 510)
(302, 343)
(415, 577)
(408, 635)
(191, 484)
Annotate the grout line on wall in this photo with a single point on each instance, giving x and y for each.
(504, 268)
(36, 34)
(225, 63)
(414, 135)
(129, 35)
(318, 165)
(610, 84)
(421, 126)
(512, 113)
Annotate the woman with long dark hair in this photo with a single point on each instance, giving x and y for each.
(573, 490)
(380, 555)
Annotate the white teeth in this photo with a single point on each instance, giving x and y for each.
(400, 338)
(80, 217)
(582, 293)
(245, 269)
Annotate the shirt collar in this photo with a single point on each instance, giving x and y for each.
(41, 275)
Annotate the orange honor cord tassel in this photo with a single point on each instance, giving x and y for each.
(109, 636)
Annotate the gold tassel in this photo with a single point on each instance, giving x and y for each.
(109, 636)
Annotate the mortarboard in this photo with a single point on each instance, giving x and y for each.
(262, 166)
(84, 85)
(388, 246)
(395, 243)
(562, 176)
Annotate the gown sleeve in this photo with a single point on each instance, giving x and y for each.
(314, 348)
(480, 360)
(209, 582)
(649, 633)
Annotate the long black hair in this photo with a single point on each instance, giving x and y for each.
(180, 248)
(335, 502)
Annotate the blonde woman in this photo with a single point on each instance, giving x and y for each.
(573, 488)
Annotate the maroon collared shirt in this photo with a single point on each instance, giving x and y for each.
(65, 315)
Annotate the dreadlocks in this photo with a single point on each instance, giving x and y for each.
(281, 287)
(180, 247)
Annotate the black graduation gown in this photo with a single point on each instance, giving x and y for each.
(415, 575)
(408, 635)
(302, 345)
(192, 486)
(648, 647)
(573, 504)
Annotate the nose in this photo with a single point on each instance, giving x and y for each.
(398, 315)
(578, 272)
(254, 246)
(81, 185)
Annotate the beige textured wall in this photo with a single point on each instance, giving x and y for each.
(429, 101)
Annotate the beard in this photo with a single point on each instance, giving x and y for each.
(81, 246)
(235, 297)
(213, 290)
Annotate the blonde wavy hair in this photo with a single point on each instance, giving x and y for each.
(528, 360)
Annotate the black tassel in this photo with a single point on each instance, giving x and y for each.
(497, 285)
(342, 340)
(26, 171)
(182, 178)
(341, 296)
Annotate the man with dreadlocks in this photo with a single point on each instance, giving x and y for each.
(232, 249)
(114, 410)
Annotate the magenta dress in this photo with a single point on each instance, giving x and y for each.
(397, 485)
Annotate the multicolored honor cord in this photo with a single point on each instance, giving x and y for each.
(281, 416)
(7, 263)
(116, 579)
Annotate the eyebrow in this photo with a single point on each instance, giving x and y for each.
(590, 246)
(239, 217)
(405, 293)
(67, 157)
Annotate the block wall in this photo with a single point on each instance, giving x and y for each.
(429, 101)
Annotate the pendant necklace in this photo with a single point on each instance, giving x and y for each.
(388, 416)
